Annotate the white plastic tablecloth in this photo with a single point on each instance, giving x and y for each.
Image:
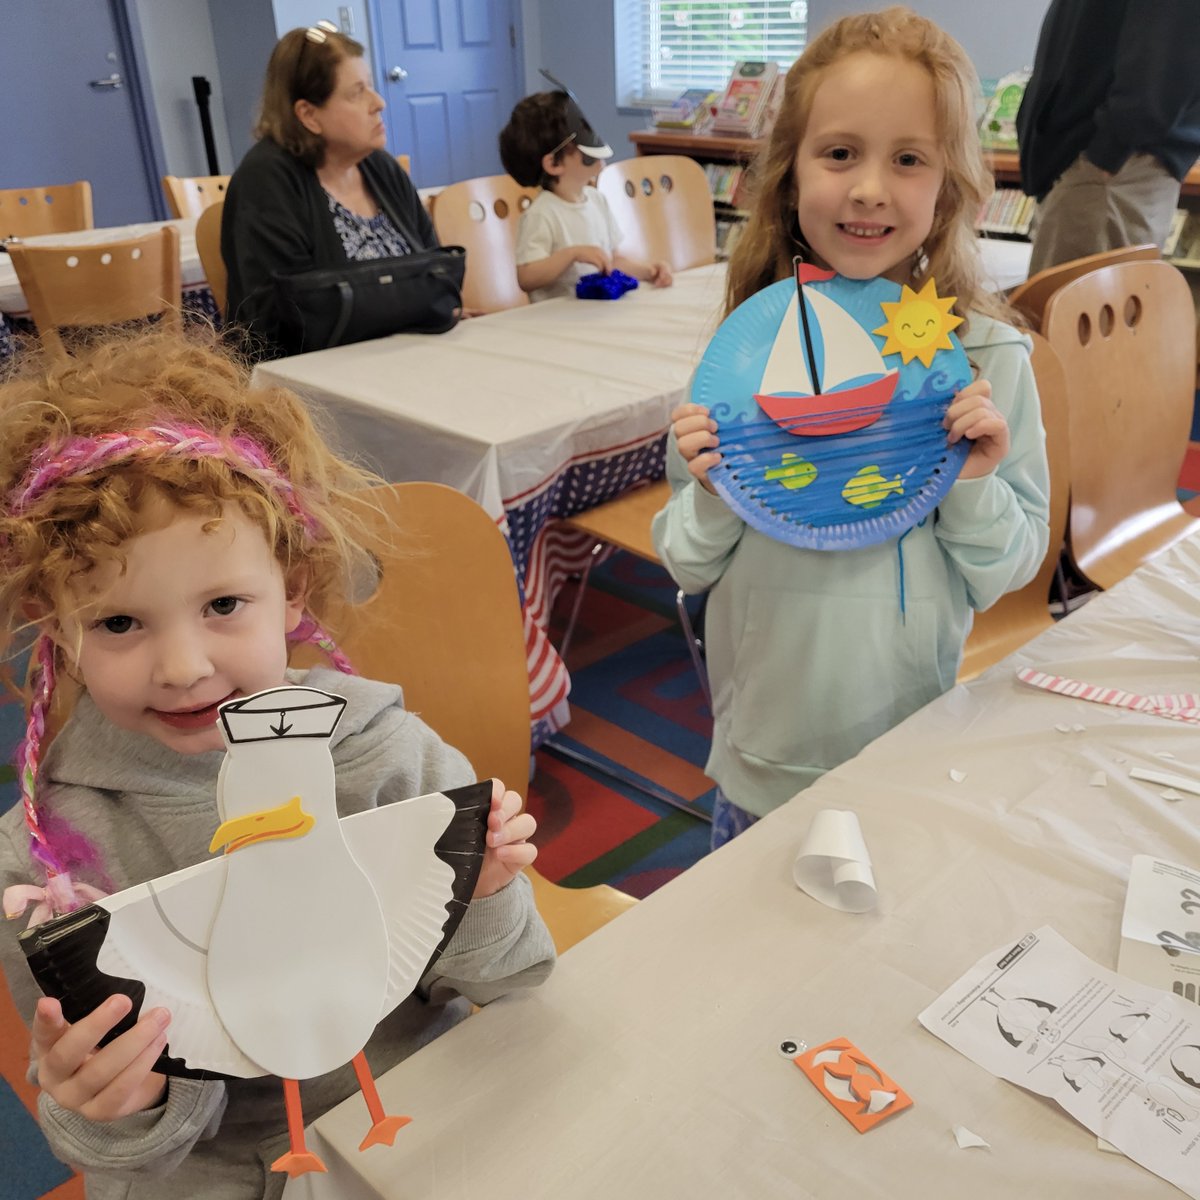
(648, 1065)
(536, 413)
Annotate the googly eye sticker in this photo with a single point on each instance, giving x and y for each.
(790, 1047)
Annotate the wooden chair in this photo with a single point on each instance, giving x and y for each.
(103, 284)
(445, 623)
(406, 162)
(664, 207)
(1125, 335)
(29, 212)
(208, 246)
(190, 195)
(481, 214)
(1029, 298)
(1021, 615)
(624, 522)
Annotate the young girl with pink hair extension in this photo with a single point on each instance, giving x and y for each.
(166, 530)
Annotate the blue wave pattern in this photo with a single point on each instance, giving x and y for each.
(895, 471)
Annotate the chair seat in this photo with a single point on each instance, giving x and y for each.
(625, 521)
(571, 914)
(1135, 541)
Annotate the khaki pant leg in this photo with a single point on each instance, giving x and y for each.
(1086, 213)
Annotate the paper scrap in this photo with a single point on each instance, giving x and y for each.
(1079, 728)
(1164, 754)
(1171, 794)
(967, 1140)
(833, 865)
(957, 776)
(1063, 728)
(1181, 782)
(1098, 779)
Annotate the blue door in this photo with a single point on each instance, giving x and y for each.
(70, 95)
(448, 71)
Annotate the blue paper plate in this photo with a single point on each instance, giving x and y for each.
(818, 488)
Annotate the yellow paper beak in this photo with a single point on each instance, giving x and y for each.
(285, 821)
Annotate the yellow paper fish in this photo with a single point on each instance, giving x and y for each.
(869, 489)
(793, 472)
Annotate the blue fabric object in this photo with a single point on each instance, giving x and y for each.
(727, 821)
(604, 287)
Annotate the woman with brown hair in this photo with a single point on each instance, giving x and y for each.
(318, 188)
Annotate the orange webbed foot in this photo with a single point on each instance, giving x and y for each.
(298, 1163)
(383, 1132)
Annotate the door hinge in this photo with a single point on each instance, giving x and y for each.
(512, 35)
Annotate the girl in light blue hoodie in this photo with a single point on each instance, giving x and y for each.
(873, 169)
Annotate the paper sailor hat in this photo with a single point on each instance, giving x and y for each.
(580, 131)
(291, 712)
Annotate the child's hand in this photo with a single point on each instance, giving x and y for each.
(696, 436)
(100, 1083)
(660, 274)
(593, 256)
(508, 847)
(973, 415)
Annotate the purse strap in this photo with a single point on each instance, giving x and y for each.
(344, 313)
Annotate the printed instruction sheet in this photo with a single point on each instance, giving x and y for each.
(1122, 1058)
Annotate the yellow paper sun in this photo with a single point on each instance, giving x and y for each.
(918, 324)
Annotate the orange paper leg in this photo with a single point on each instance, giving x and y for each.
(383, 1128)
(299, 1159)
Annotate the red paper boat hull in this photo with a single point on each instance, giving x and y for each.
(831, 412)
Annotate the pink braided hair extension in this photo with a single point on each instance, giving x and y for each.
(72, 458)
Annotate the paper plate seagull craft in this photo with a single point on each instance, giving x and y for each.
(282, 955)
(829, 394)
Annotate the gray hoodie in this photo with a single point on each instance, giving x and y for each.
(151, 811)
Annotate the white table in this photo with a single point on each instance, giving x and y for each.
(537, 412)
(647, 1067)
(1005, 262)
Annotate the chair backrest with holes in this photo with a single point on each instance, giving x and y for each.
(1125, 336)
(482, 214)
(190, 195)
(208, 246)
(664, 207)
(1029, 298)
(29, 212)
(98, 285)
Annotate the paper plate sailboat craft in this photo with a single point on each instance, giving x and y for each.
(829, 395)
(282, 955)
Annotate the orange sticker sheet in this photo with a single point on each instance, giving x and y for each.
(852, 1083)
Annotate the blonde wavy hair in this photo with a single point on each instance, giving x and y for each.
(764, 252)
(51, 540)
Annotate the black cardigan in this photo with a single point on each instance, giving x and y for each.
(1112, 78)
(277, 221)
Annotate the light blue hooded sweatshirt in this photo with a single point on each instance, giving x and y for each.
(812, 654)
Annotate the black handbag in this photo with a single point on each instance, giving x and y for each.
(356, 301)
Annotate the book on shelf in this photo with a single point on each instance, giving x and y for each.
(741, 110)
(724, 179)
(1007, 210)
(692, 110)
(998, 125)
(1174, 238)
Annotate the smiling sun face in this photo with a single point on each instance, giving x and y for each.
(918, 324)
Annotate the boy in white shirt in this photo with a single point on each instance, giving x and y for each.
(568, 231)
